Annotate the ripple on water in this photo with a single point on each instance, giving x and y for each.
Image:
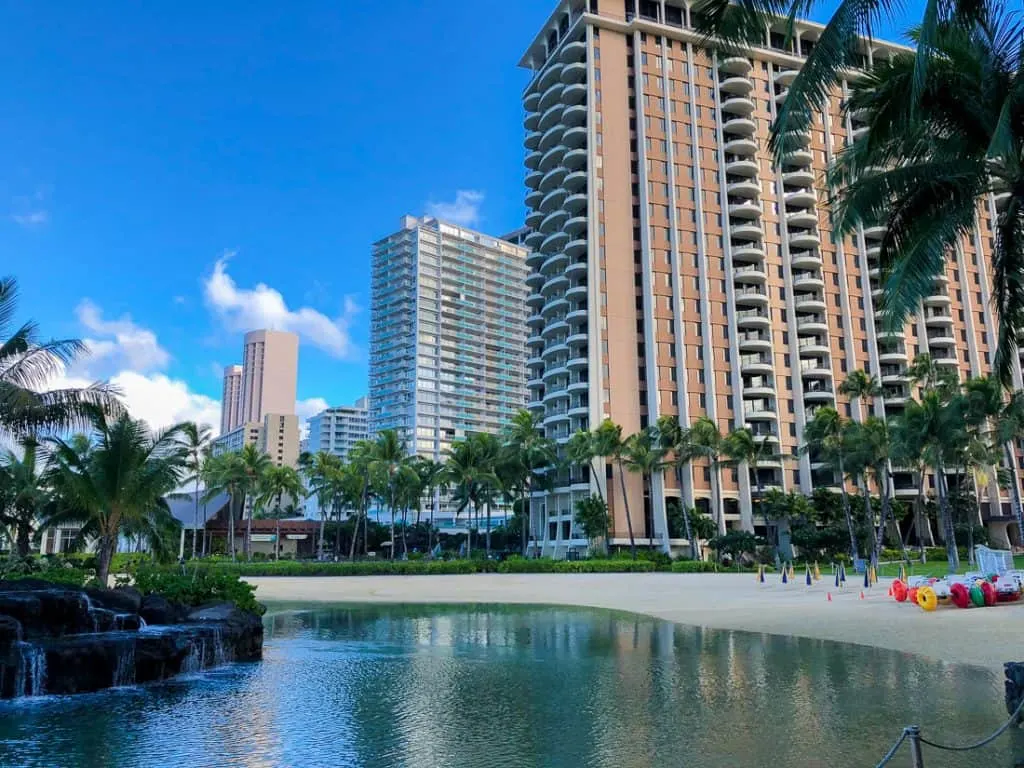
(482, 687)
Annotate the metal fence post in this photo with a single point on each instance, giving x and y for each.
(914, 736)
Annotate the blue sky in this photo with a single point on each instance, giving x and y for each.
(166, 166)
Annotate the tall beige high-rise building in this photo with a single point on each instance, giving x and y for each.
(270, 370)
(678, 271)
(231, 399)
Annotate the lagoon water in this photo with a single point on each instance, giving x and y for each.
(492, 686)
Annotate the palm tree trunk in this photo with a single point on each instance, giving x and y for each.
(952, 555)
(277, 539)
(597, 480)
(103, 557)
(231, 526)
(1018, 508)
(366, 532)
(405, 532)
(391, 509)
(195, 525)
(625, 506)
(247, 545)
(206, 544)
(430, 530)
(688, 529)
(337, 535)
(854, 552)
(488, 547)
(323, 527)
(525, 516)
(469, 531)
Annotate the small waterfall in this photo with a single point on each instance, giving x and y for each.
(30, 677)
(124, 672)
(196, 659)
(220, 654)
(142, 622)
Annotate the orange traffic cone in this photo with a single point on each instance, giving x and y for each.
(862, 594)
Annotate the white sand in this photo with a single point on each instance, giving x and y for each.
(982, 636)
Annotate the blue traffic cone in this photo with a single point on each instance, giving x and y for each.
(807, 578)
(837, 577)
(867, 578)
(784, 573)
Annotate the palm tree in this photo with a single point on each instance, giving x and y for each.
(390, 467)
(321, 470)
(119, 482)
(862, 387)
(197, 439)
(471, 472)
(607, 443)
(432, 481)
(823, 438)
(675, 441)
(707, 442)
(255, 465)
(645, 455)
(743, 447)
(738, 25)
(579, 450)
(24, 493)
(359, 472)
(27, 365)
(526, 452)
(870, 448)
(275, 484)
(947, 142)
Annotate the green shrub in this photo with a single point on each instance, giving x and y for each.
(59, 570)
(196, 586)
(694, 566)
(546, 565)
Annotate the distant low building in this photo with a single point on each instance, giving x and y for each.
(335, 430)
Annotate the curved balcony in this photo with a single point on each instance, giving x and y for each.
(555, 327)
(533, 240)
(531, 100)
(748, 209)
(575, 160)
(576, 292)
(574, 94)
(550, 137)
(553, 221)
(785, 77)
(576, 338)
(743, 126)
(804, 238)
(812, 324)
(780, 97)
(735, 65)
(534, 218)
(766, 389)
(575, 248)
(751, 295)
(555, 349)
(532, 120)
(554, 305)
(809, 303)
(554, 242)
(576, 181)
(574, 51)
(737, 105)
(806, 218)
(579, 409)
(534, 299)
(552, 178)
(535, 320)
(759, 412)
(552, 201)
(741, 167)
(551, 74)
(1001, 199)
(574, 72)
(740, 146)
(802, 177)
(942, 338)
(555, 394)
(534, 280)
(576, 269)
(748, 252)
(532, 160)
(554, 372)
(937, 300)
(808, 280)
(736, 84)
(534, 362)
(574, 138)
(577, 385)
(532, 140)
(746, 188)
(892, 356)
(575, 203)
(753, 364)
(574, 116)
(552, 158)
(888, 334)
(874, 233)
(949, 360)
(801, 198)
(752, 318)
(554, 265)
(751, 273)
(754, 342)
(533, 179)
(821, 393)
(533, 198)
(800, 259)
(551, 95)
(551, 116)
(859, 133)
(746, 232)
(812, 346)
(577, 360)
(798, 157)
(814, 368)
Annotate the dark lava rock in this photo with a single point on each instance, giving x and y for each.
(10, 633)
(1014, 687)
(103, 620)
(156, 609)
(120, 600)
(242, 632)
(48, 612)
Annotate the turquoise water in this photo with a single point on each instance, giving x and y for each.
(488, 687)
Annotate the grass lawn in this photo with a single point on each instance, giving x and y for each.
(931, 568)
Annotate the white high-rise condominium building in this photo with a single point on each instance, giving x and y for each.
(337, 429)
(231, 399)
(677, 270)
(448, 334)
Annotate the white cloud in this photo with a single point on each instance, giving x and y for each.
(246, 309)
(31, 219)
(464, 210)
(117, 345)
(306, 409)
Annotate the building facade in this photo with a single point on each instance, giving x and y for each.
(448, 334)
(231, 399)
(676, 270)
(277, 435)
(337, 429)
(270, 373)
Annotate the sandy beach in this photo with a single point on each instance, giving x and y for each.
(984, 636)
